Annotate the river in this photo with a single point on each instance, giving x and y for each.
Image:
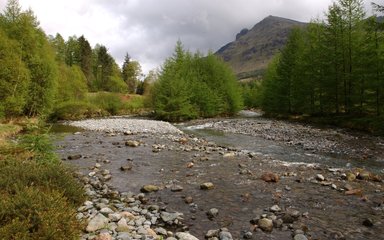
(234, 162)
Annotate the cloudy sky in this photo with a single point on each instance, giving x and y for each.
(149, 29)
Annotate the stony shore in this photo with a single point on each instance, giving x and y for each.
(163, 184)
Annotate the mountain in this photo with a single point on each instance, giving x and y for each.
(253, 49)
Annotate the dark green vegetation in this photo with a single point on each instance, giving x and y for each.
(333, 69)
(40, 75)
(39, 195)
(253, 49)
(191, 86)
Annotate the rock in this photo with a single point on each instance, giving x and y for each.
(229, 155)
(150, 232)
(212, 233)
(300, 237)
(105, 211)
(190, 165)
(74, 157)
(265, 224)
(225, 235)
(357, 192)
(185, 236)
(188, 200)
(170, 217)
(104, 236)
(320, 177)
(207, 186)
(270, 177)
(126, 167)
(248, 235)
(131, 143)
(122, 226)
(97, 222)
(212, 213)
(350, 176)
(363, 175)
(275, 208)
(176, 188)
(368, 222)
(114, 217)
(149, 188)
(161, 231)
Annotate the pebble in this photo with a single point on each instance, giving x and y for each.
(97, 222)
(149, 188)
(320, 177)
(207, 186)
(275, 208)
(270, 177)
(300, 237)
(265, 224)
(212, 213)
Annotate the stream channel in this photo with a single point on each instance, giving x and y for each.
(234, 162)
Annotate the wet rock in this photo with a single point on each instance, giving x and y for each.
(229, 155)
(188, 199)
(96, 223)
(149, 188)
(300, 237)
(320, 177)
(207, 186)
(363, 175)
(131, 143)
(212, 233)
(177, 188)
(357, 192)
(270, 177)
(170, 217)
(126, 167)
(265, 224)
(185, 236)
(212, 213)
(248, 235)
(74, 157)
(368, 222)
(275, 208)
(225, 235)
(190, 165)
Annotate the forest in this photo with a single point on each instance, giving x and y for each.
(331, 68)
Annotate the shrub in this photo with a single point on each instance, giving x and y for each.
(109, 102)
(37, 213)
(72, 110)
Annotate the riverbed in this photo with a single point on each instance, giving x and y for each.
(313, 166)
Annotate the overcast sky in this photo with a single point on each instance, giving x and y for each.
(149, 29)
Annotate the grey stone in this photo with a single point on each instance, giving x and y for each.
(170, 217)
(225, 235)
(96, 223)
(185, 236)
(300, 237)
(265, 224)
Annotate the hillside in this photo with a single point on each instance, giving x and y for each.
(252, 50)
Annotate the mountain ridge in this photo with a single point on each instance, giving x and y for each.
(252, 50)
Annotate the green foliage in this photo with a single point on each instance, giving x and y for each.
(33, 213)
(192, 86)
(108, 101)
(333, 67)
(74, 110)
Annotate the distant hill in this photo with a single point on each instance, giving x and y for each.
(253, 49)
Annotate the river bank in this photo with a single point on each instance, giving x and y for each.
(253, 195)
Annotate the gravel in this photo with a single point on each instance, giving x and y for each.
(133, 126)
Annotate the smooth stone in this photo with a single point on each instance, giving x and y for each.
(265, 224)
(132, 143)
(126, 167)
(212, 233)
(320, 177)
(212, 213)
(104, 236)
(207, 186)
(185, 236)
(350, 176)
(275, 208)
(300, 237)
(170, 217)
(270, 177)
(149, 188)
(176, 188)
(225, 235)
(74, 157)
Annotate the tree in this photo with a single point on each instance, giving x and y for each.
(131, 72)
(85, 58)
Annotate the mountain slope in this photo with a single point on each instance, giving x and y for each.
(253, 49)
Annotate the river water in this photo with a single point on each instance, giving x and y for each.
(239, 194)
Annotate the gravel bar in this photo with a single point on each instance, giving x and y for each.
(132, 126)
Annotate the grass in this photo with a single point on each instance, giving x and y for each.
(38, 195)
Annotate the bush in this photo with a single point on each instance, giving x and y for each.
(72, 110)
(37, 213)
(110, 102)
